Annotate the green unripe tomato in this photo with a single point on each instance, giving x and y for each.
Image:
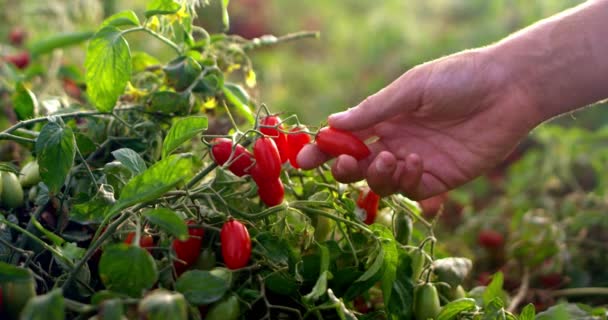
(30, 174)
(163, 305)
(225, 309)
(403, 228)
(418, 261)
(18, 287)
(12, 193)
(206, 260)
(426, 302)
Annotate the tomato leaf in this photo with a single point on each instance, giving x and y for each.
(161, 7)
(241, 106)
(169, 221)
(108, 67)
(181, 131)
(56, 150)
(391, 258)
(123, 18)
(95, 210)
(369, 278)
(452, 309)
(130, 159)
(24, 102)
(61, 40)
(127, 269)
(494, 289)
(50, 306)
(319, 289)
(528, 312)
(201, 287)
(155, 181)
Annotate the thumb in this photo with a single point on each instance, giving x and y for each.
(401, 96)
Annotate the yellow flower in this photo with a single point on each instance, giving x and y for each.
(153, 24)
(250, 78)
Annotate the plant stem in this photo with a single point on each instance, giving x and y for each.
(522, 292)
(8, 136)
(266, 42)
(590, 291)
(157, 36)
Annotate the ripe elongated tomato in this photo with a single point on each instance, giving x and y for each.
(267, 158)
(279, 137)
(241, 160)
(297, 139)
(336, 142)
(369, 201)
(145, 241)
(490, 239)
(271, 191)
(20, 60)
(236, 244)
(188, 250)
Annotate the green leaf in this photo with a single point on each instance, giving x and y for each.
(111, 309)
(142, 60)
(391, 258)
(494, 289)
(565, 311)
(56, 150)
(169, 221)
(369, 278)
(127, 269)
(95, 210)
(155, 181)
(50, 306)
(276, 249)
(453, 309)
(181, 131)
(168, 102)
(123, 18)
(528, 312)
(62, 40)
(241, 106)
(130, 159)
(319, 289)
(24, 102)
(225, 16)
(201, 287)
(161, 7)
(108, 67)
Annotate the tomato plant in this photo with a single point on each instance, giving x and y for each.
(90, 154)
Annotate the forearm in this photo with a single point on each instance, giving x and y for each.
(560, 63)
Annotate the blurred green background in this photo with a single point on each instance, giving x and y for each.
(364, 44)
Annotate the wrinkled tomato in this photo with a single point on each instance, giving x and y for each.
(241, 160)
(272, 126)
(336, 142)
(236, 244)
(297, 139)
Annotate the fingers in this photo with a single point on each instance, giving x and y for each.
(311, 157)
(401, 96)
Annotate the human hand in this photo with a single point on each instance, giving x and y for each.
(438, 126)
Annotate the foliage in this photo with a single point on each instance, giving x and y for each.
(125, 149)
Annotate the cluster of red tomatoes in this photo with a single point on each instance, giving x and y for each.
(270, 152)
(235, 245)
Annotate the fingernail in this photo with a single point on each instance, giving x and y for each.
(383, 167)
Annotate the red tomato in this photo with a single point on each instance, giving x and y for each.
(236, 244)
(490, 239)
(336, 142)
(271, 192)
(188, 250)
(16, 36)
(145, 241)
(241, 160)
(297, 139)
(279, 137)
(20, 60)
(71, 88)
(551, 280)
(369, 202)
(267, 158)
